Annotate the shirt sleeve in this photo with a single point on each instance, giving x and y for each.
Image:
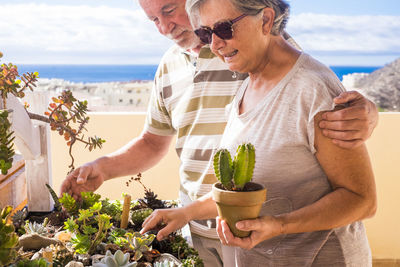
(158, 119)
(322, 94)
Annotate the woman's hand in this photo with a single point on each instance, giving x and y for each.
(262, 228)
(173, 219)
(350, 127)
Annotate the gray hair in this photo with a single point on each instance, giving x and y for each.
(248, 7)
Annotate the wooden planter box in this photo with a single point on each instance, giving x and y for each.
(25, 182)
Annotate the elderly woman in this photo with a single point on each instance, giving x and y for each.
(317, 192)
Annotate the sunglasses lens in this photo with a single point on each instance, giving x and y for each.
(224, 30)
(205, 35)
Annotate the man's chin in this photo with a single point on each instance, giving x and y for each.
(188, 43)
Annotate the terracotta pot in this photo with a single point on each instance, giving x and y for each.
(234, 206)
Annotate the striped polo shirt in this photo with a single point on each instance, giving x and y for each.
(188, 99)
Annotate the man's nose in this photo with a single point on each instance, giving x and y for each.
(166, 25)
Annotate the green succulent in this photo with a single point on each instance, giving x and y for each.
(18, 218)
(32, 263)
(36, 228)
(8, 238)
(69, 203)
(6, 143)
(119, 259)
(138, 216)
(234, 175)
(192, 261)
(140, 243)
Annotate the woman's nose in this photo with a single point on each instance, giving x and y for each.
(216, 42)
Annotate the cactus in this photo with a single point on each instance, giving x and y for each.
(243, 165)
(138, 216)
(223, 168)
(8, 238)
(119, 259)
(240, 170)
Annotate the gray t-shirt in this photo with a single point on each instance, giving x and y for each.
(281, 127)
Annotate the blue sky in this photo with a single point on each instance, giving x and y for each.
(337, 32)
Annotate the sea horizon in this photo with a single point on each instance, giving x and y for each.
(89, 73)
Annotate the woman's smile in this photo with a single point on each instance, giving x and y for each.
(228, 57)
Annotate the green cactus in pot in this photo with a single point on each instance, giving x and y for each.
(234, 175)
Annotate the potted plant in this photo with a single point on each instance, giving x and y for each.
(236, 197)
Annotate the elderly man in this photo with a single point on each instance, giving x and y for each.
(191, 89)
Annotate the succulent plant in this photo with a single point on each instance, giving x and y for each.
(18, 218)
(140, 243)
(6, 143)
(36, 228)
(223, 168)
(138, 216)
(8, 238)
(32, 263)
(119, 259)
(234, 175)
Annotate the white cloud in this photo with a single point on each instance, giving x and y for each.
(38, 33)
(41, 33)
(347, 34)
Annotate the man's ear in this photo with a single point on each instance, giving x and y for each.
(268, 16)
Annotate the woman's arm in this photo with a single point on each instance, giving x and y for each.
(176, 218)
(353, 198)
(354, 194)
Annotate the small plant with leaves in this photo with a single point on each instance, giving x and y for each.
(67, 116)
(6, 142)
(8, 238)
(150, 199)
(140, 243)
(31, 263)
(119, 259)
(138, 216)
(234, 175)
(11, 82)
(90, 228)
(36, 228)
(18, 219)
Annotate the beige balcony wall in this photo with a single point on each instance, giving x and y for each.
(118, 128)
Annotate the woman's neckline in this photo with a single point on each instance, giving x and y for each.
(277, 87)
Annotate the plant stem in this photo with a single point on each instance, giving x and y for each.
(38, 117)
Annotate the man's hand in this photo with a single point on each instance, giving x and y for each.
(262, 228)
(173, 219)
(353, 125)
(83, 179)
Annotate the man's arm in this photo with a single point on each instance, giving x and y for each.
(137, 156)
(352, 126)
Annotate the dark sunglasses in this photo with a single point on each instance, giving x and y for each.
(223, 30)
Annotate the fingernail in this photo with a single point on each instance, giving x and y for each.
(79, 180)
(239, 225)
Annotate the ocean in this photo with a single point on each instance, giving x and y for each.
(125, 73)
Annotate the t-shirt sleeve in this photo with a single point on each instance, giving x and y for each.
(158, 119)
(322, 94)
